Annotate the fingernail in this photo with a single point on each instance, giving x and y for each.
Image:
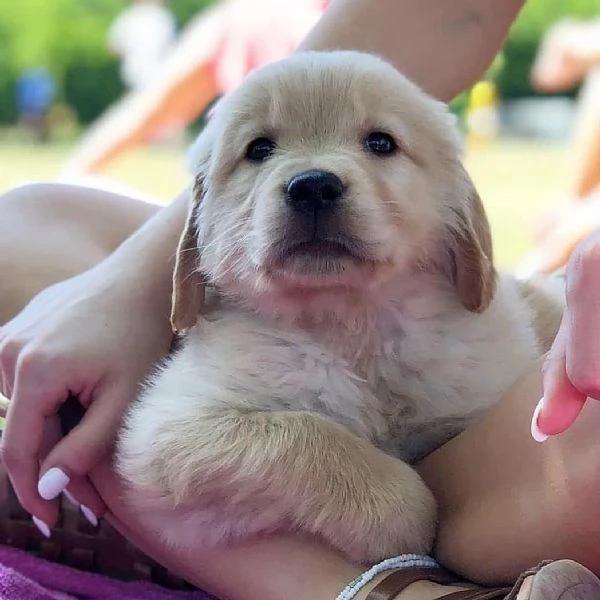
(536, 434)
(70, 498)
(43, 528)
(52, 483)
(89, 515)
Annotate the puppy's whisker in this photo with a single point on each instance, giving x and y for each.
(226, 235)
(227, 257)
(234, 265)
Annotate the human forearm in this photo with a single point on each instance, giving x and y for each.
(507, 502)
(143, 264)
(442, 46)
(585, 148)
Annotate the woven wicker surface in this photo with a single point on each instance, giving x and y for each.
(74, 541)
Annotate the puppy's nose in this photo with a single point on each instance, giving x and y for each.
(314, 190)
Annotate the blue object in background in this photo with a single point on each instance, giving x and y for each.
(36, 89)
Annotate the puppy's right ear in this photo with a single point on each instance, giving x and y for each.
(188, 283)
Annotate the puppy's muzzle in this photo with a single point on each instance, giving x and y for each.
(317, 238)
(314, 191)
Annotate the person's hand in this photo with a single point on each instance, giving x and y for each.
(572, 367)
(94, 336)
(561, 61)
(559, 232)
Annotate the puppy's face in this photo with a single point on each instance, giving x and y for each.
(329, 171)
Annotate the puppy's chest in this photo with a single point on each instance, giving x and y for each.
(425, 394)
(407, 391)
(410, 390)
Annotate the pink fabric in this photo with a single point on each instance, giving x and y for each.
(24, 577)
(259, 32)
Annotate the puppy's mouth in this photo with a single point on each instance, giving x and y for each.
(318, 257)
(318, 249)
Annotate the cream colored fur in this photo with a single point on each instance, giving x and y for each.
(308, 387)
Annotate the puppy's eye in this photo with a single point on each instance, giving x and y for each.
(380, 143)
(260, 149)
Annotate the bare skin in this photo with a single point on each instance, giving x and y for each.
(570, 52)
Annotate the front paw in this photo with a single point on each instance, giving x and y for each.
(383, 518)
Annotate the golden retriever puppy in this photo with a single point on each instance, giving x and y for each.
(358, 321)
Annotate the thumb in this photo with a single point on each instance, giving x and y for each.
(85, 446)
(562, 402)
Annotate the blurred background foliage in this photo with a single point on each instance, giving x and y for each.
(68, 37)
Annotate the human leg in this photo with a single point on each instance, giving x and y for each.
(49, 232)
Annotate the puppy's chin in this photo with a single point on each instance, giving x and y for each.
(319, 264)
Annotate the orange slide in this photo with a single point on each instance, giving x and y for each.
(213, 54)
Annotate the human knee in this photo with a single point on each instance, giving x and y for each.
(102, 218)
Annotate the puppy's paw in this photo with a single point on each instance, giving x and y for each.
(384, 517)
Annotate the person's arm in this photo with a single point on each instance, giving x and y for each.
(506, 501)
(570, 52)
(585, 155)
(442, 46)
(147, 258)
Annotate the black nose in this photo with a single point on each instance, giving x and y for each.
(314, 190)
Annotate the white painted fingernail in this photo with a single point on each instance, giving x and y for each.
(536, 434)
(52, 483)
(70, 498)
(89, 515)
(43, 528)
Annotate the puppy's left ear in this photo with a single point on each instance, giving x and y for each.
(188, 283)
(469, 247)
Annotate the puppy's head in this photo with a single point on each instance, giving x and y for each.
(331, 173)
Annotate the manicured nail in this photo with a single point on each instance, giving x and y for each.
(43, 528)
(89, 515)
(70, 498)
(52, 483)
(536, 434)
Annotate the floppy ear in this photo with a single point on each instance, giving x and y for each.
(469, 246)
(188, 283)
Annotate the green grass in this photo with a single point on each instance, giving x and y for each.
(516, 180)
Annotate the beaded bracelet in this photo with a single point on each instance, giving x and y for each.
(403, 561)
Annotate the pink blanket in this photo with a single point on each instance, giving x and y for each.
(24, 577)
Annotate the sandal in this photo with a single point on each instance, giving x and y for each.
(551, 580)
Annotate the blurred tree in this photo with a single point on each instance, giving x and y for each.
(68, 37)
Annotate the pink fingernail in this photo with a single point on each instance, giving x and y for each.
(536, 434)
(52, 483)
(42, 527)
(89, 515)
